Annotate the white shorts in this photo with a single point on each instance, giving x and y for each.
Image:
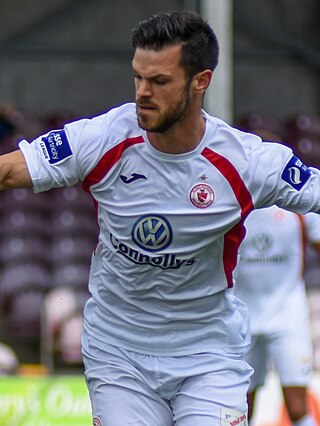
(288, 352)
(126, 387)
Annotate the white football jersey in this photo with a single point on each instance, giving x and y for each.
(170, 226)
(269, 275)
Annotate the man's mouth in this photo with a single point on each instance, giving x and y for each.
(145, 107)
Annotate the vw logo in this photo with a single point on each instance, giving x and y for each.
(152, 233)
(262, 242)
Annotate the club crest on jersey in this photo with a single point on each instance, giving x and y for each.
(202, 195)
(296, 173)
(55, 147)
(97, 422)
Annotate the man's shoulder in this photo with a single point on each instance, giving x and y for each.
(220, 127)
(127, 110)
(119, 120)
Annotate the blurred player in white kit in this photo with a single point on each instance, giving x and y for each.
(269, 279)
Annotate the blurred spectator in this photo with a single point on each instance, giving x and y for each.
(57, 119)
(6, 128)
(62, 327)
(302, 133)
(6, 132)
(9, 362)
(265, 125)
(18, 125)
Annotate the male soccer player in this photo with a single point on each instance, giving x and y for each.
(269, 279)
(164, 339)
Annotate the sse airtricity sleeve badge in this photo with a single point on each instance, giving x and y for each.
(296, 173)
(55, 147)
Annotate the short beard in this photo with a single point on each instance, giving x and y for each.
(175, 117)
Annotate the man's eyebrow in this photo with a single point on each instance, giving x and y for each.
(159, 75)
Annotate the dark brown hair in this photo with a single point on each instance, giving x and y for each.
(200, 49)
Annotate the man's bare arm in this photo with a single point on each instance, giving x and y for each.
(13, 171)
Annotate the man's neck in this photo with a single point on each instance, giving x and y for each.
(180, 138)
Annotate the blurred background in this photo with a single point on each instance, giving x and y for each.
(66, 59)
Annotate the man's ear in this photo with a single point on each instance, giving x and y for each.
(202, 80)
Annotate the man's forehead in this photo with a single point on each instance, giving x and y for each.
(164, 60)
(168, 53)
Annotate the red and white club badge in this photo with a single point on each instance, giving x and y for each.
(202, 195)
(97, 422)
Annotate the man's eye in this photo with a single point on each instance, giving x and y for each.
(160, 82)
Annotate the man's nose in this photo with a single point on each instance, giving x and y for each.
(143, 88)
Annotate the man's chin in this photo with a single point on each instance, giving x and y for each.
(152, 129)
(147, 127)
(156, 127)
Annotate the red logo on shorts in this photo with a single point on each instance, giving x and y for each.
(97, 422)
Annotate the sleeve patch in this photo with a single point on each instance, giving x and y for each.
(296, 173)
(55, 146)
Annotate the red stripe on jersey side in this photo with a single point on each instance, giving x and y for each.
(302, 224)
(234, 237)
(108, 160)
